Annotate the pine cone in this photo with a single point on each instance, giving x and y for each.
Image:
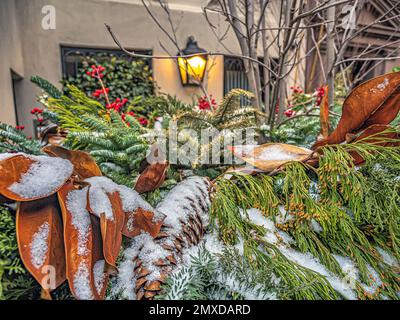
(186, 208)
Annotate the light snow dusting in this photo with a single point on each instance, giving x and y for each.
(45, 176)
(382, 86)
(80, 217)
(99, 275)
(126, 279)
(82, 282)
(148, 252)
(277, 153)
(177, 206)
(39, 245)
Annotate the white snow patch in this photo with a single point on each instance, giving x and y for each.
(6, 156)
(126, 279)
(80, 217)
(148, 251)
(178, 208)
(247, 293)
(304, 259)
(39, 246)
(82, 282)
(316, 226)
(44, 177)
(276, 153)
(101, 204)
(387, 257)
(383, 85)
(99, 275)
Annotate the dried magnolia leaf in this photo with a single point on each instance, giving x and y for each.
(376, 101)
(40, 242)
(27, 178)
(324, 114)
(270, 156)
(381, 135)
(142, 220)
(250, 170)
(83, 245)
(152, 177)
(84, 164)
(111, 230)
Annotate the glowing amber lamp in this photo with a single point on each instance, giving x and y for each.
(192, 69)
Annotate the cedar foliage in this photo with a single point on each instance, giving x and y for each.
(356, 210)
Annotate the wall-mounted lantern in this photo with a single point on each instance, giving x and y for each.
(192, 69)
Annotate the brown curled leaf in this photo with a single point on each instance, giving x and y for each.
(111, 230)
(14, 169)
(324, 114)
(83, 245)
(141, 220)
(376, 101)
(84, 164)
(152, 177)
(11, 171)
(40, 241)
(380, 135)
(270, 156)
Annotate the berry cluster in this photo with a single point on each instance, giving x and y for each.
(96, 71)
(289, 113)
(20, 127)
(207, 104)
(37, 112)
(99, 92)
(319, 93)
(296, 90)
(117, 104)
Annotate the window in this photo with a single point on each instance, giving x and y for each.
(234, 74)
(72, 57)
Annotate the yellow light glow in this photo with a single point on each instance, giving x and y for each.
(194, 67)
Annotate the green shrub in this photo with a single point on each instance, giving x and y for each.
(15, 281)
(131, 79)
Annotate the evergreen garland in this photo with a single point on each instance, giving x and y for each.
(222, 276)
(230, 114)
(14, 140)
(47, 87)
(329, 212)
